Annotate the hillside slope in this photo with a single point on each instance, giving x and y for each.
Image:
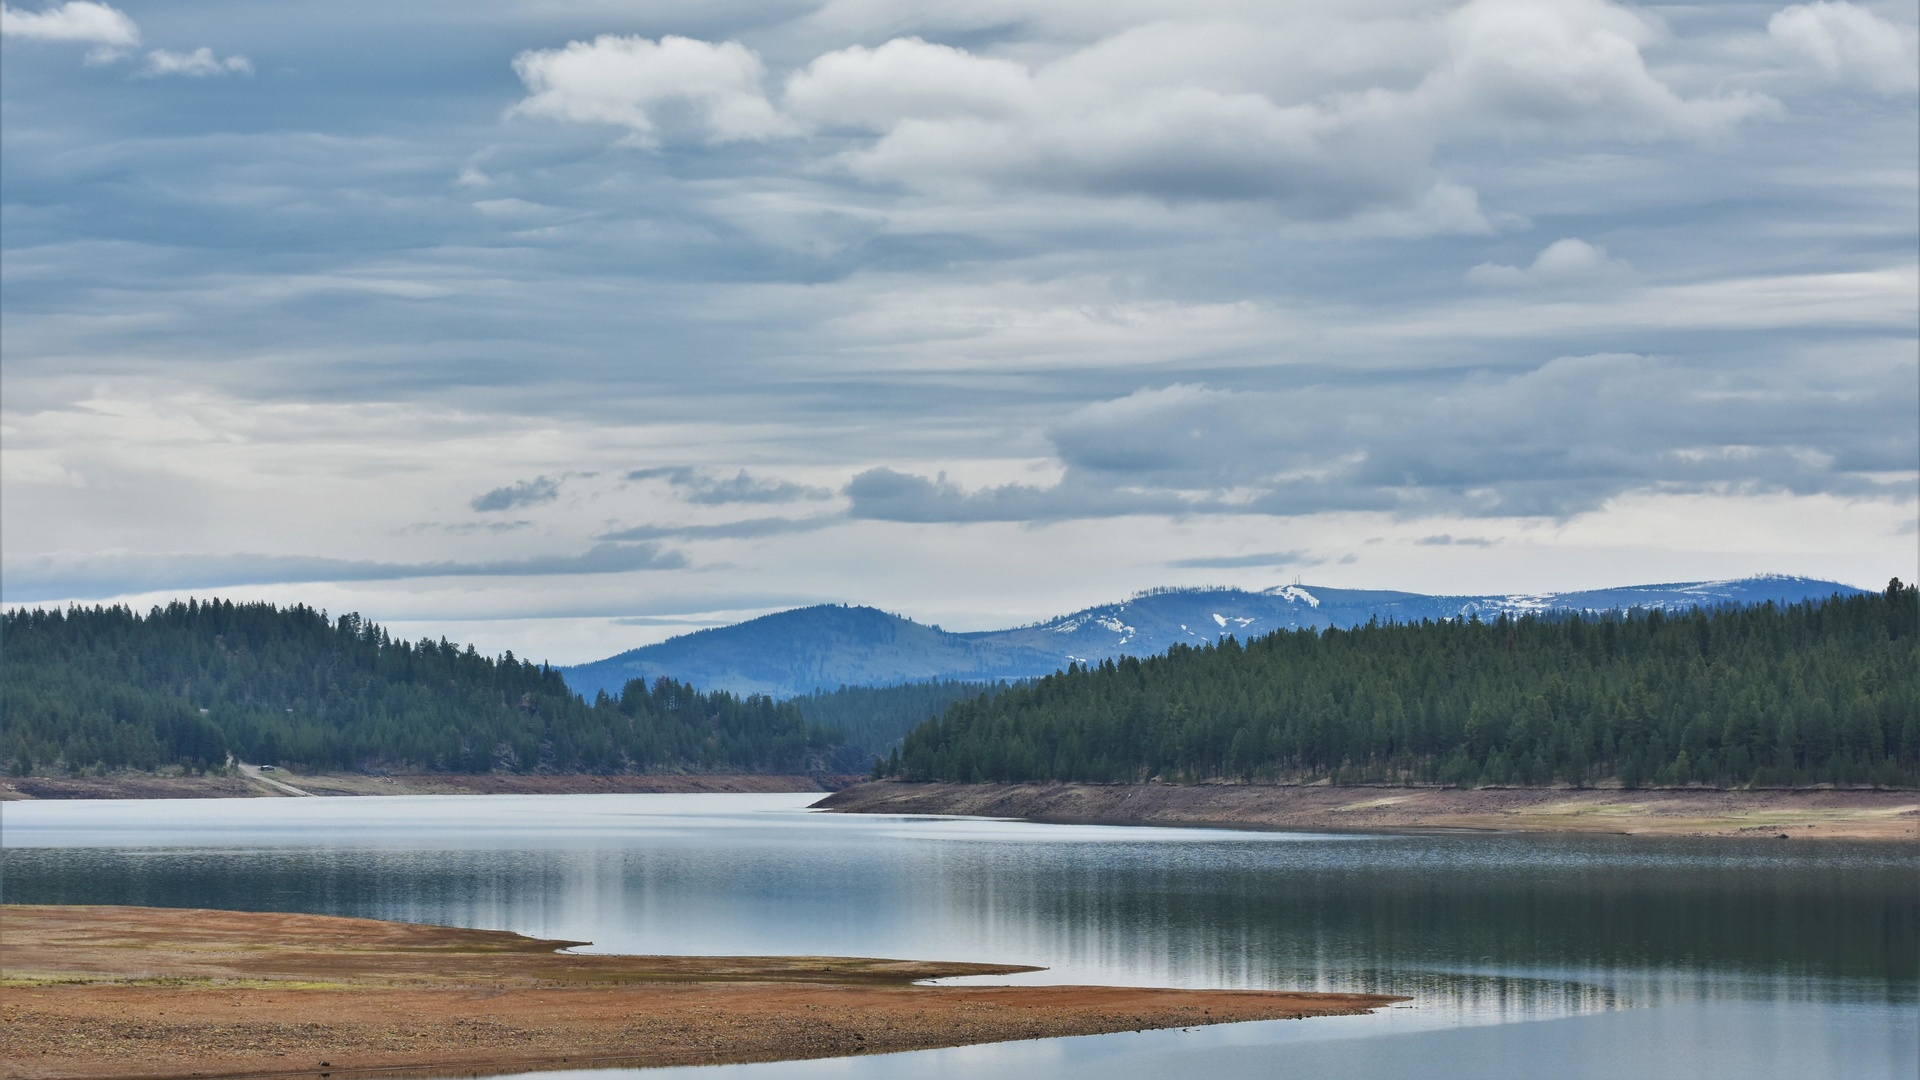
(1151, 623)
(1813, 693)
(816, 648)
(821, 648)
(192, 685)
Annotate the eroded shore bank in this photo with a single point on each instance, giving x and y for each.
(1831, 814)
(150, 786)
(96, 992)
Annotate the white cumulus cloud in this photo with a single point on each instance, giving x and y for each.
(113, 35)
(1849, 44)
(715, 91)
(1565, 69)
(78, 20)
(905, 79)
(197, 64)
(1571, 261)
(1331, 119)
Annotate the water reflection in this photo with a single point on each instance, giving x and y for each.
(1479, 929)
(1644, 957)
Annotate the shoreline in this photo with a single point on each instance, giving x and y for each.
(159, 993)
(251, 784)
(1812, 813)
(1835, 814)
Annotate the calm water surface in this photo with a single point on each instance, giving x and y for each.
(1526, 956)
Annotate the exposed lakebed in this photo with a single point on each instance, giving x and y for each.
(1671, 956)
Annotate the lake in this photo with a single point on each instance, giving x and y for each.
(1526, 955)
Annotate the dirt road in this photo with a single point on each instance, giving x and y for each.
(280, 787)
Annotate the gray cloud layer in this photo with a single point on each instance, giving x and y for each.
(99, 576)
(1554, 441)
(1261, 559)
(532, 492)
(750, 529)
(706, 488)
(1485, 258)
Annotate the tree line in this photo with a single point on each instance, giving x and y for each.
(878, 716)
(190, 684)
(1766, 695)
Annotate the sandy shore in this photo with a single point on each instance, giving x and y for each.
(149, 786)
(101, 992)
(1847, 814)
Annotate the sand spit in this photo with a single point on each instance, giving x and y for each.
(100, 992)
(1824, 814)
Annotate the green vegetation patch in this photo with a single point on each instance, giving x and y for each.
(191, 684)
(1812, 693)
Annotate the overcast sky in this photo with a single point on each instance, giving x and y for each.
(565, 326)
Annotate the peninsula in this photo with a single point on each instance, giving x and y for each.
(96, 992)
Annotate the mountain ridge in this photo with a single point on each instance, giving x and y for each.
(798, 651)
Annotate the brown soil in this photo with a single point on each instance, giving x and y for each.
(101, 992)
(148, 786)
(128, 786)
(1827, 814)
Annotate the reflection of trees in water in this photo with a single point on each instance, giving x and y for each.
(1408, 913)
(1478, 925)
(454, 888)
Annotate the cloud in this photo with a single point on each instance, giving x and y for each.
(1183, 143)
(1564, 262)
(678, 622)
(78, 20)
(1232, 562)
(1213, 111)
(1560, 439)
(90, 576)
(750, 529)
(705, 91)
(874, 90)
(1128, 116)
(1565, 69)
(113, 34)
(197, 64)
(709, 489)
(532, 492)
(1850, 45)
(1176, 125)
(466, 528)
(883, 494)
(1153, 251)
(1449, 540)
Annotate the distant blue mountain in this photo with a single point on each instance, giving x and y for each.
(815, 648)
(806, 649)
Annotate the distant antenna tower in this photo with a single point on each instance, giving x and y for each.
(1296, 579)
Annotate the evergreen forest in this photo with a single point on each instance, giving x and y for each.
(191, 683)
(1762, 696)
(878, 716)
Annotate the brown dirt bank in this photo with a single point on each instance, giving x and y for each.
(95, 992)
(148, 786)
(1829, 814)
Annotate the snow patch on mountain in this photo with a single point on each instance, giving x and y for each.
(1296, 594)
(797, 651)
(1527, 602)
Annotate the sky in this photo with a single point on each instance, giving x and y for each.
(563, 327)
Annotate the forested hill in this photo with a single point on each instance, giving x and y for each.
(805, 650)
(1815, 692)
(191, 683)
(876, 717)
